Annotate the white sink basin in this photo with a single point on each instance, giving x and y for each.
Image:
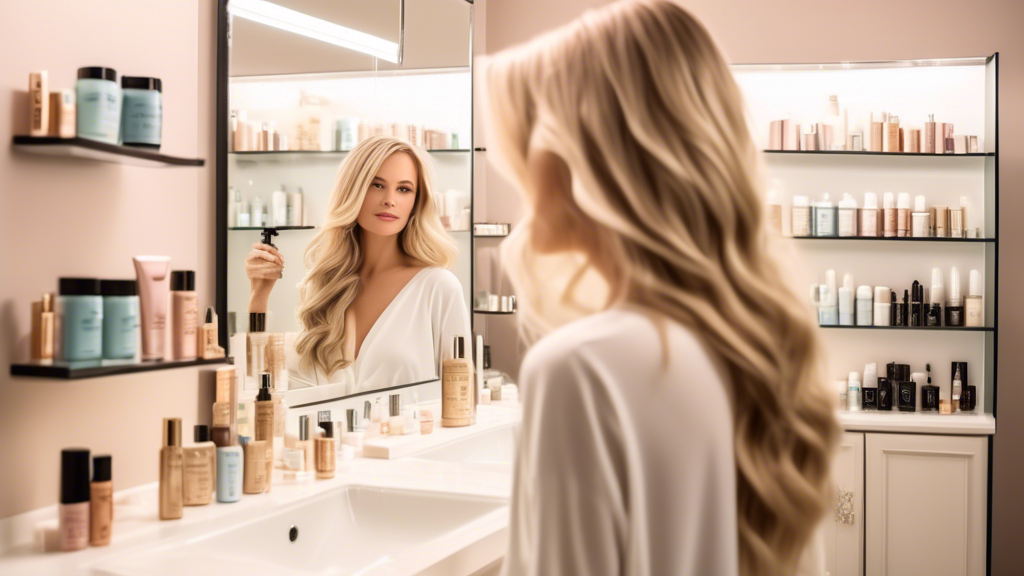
(352, 530)
(495, 447)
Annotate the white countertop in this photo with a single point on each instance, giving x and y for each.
(979, 424)
(137, 524)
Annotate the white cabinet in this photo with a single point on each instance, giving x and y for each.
(844, 529)
(925, 505)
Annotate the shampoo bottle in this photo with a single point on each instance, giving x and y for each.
(458, 406)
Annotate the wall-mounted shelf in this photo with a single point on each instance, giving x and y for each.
(98, 368)
(278, 228)
(904, 239)
(916, 328)
(865, 153)
(326, 152)
(496, 312)
(100, 151)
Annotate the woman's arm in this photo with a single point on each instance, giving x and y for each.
(264, 266)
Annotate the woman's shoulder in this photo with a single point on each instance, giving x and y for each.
(437, 278)
(615, 340)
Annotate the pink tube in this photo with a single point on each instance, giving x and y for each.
(154, 273)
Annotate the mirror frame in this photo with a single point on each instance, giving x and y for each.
(221, 189)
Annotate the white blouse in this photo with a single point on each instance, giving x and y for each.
(623, 467)
(407, 343)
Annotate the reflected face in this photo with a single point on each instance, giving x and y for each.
(391, 196)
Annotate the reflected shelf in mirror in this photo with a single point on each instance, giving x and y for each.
(866, 153)
(497, 312)
(279, 228)
(897, 239)
(327, 152)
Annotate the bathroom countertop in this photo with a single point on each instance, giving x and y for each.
(136, 524)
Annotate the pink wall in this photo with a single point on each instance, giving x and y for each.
(62, 217)
(814, 31)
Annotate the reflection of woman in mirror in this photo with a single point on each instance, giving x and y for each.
(681, 427)
(378, 296)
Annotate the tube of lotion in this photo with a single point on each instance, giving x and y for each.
(154, 273)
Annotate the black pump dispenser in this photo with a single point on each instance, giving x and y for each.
(268, 234)
(264, 393)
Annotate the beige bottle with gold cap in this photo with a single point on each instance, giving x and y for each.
(171, 481)
(265, 423)
(458, 398)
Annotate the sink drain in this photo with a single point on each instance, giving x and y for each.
(293, 534)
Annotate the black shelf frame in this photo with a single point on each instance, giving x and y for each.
(328, 152)
(866, 153)
(915, 328)
(898, 239)
(494, 312)
(100, 368)
(99, 151)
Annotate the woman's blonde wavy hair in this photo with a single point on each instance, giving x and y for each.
(640, 104)
(335, 255)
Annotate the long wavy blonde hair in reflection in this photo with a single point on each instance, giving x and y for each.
(335, 255)
(640, 104)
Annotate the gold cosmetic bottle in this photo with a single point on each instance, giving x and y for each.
(200, 467)
(254, 467)
(974, 309)
(209, 338)
(265, 423)
(171, 477)
(458, 402)
(305, 444)
(42, 328)
(325, 456)
(101, 502)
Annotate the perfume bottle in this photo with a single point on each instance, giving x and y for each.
(906, 396)
(929, 393)
(954, 302)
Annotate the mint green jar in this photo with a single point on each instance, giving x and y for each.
(120, 319)
(82, 318)
(142, 111)
(98, 114)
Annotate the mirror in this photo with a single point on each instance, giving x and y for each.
(310, 85)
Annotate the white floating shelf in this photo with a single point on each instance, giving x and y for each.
(978, 424)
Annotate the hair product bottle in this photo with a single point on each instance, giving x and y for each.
(254, 475)
(101, 502)
(325, 456)
(200, 467)
(171, 476)
(458, 407)
(73, 512)
(265, 422)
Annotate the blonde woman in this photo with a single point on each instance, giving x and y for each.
(378, 305)
(681, 427)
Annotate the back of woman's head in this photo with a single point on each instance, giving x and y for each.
(641, 106)
(334, 256)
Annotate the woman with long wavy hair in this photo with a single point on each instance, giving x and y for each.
(678, 425)
(378, 305)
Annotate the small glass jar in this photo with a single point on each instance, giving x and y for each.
(120, 319)
(98, 114)
(142, 111)
(82, 308)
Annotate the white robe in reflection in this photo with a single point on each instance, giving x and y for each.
(407, 343)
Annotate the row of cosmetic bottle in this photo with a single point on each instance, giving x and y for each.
(284, 209)
(95, 319)
(896, 219)
(885, 133)
(880, 306)
(906, 391)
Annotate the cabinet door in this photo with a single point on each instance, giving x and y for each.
(844, 528)
(926, 504)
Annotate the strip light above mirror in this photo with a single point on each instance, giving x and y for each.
(290, 20)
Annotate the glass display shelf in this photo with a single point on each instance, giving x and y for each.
(279, 228)
(867, 65)
(866, 153)
(916, 328)
(100, 151)
(495, 312)
(78, 370)
(897, 239)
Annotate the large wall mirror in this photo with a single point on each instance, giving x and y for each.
(304, 86)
